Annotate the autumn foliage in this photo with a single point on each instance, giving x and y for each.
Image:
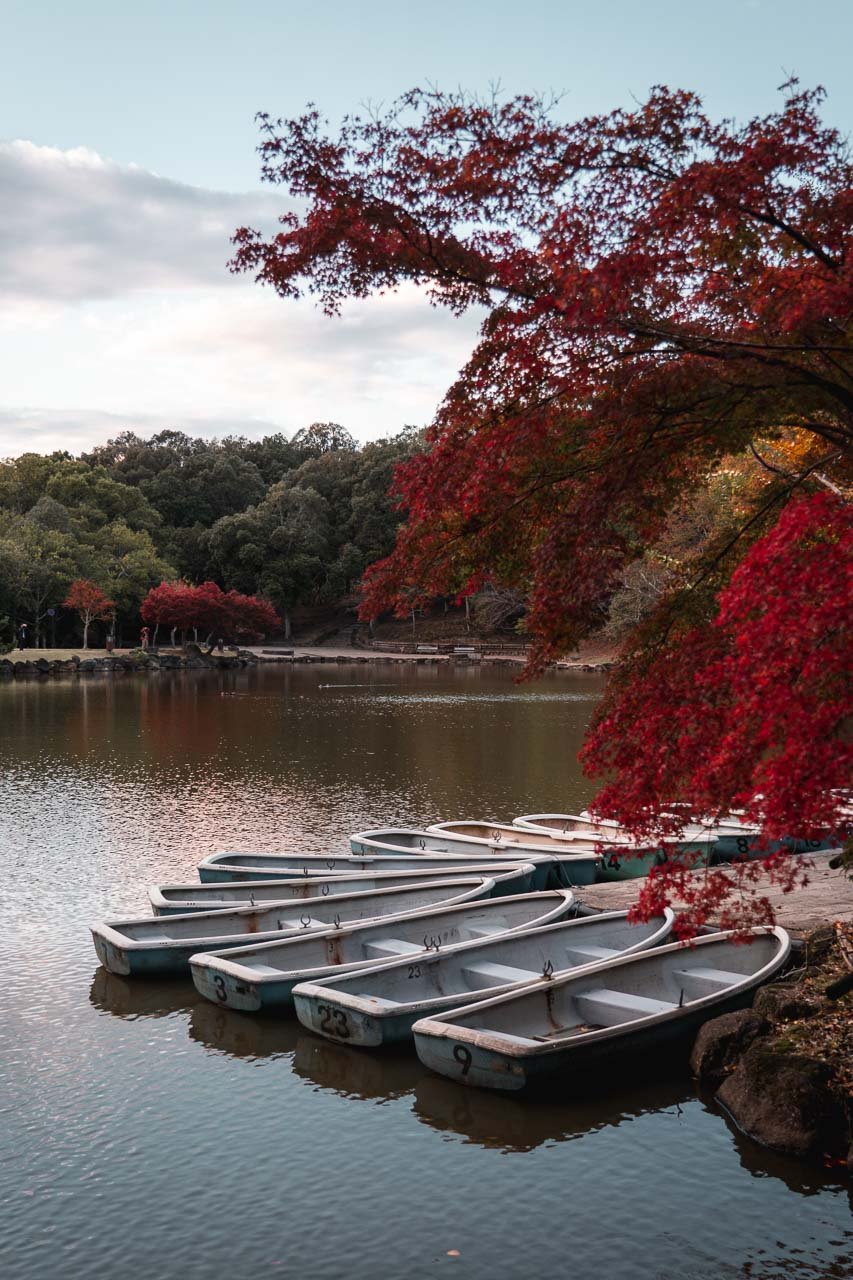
(210, 610)
(89, 602)
(661, 292)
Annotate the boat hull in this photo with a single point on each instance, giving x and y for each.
(249, 868)
(162, 945)
(255, 979)
(566, 1027)
(360, 1012)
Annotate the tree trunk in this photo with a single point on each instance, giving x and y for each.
(156, 629)
(286, 613)
(86, 633)
(173, 634)
(467, 613)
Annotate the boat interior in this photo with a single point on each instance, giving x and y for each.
(524, 958)
(652, 983)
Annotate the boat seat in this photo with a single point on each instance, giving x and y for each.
(589, 953)
(390, 947)
(498, 973)
(705, 981)
(606, 1008)
(485, 930)
(263, 971)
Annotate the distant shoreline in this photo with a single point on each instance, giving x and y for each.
(44, 663)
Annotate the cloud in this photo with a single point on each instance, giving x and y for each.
(74, 225)
(119, 313)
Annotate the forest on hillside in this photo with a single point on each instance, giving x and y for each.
(295, 520)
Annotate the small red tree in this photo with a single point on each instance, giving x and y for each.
(90, 604)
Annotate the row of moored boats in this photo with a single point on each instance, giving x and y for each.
(464, 938)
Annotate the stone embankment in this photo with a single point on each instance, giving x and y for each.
(194, 657)
(122, 664)
(783, 1070)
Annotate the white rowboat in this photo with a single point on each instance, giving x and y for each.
(263, 977)
(164, 944)
(179, 899)
(380, 1007)
(567, 1026)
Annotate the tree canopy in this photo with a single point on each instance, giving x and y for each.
(297, 520)
(663, 293)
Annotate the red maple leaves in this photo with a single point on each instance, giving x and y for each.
(209, 609)
(660, 291)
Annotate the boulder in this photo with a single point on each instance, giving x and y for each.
(818, 945)
(86, 664)
(6, 668)
(783, 1002)
(722, 1042)
(787, 1102)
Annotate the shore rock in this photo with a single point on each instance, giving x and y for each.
(786, 1102)
(783, 1001)
(722, 1042)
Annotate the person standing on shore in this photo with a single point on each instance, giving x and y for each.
(22, 636)
(143, 638)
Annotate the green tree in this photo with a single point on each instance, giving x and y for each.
(278, 549)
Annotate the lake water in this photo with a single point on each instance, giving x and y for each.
(145, 1133)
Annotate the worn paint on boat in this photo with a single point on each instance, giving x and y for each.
(248, 868)
(164, 944)
(263, 977)
(556, 866)
(180, 899)
(568, 1026)
(379, 1007)
(623, 857)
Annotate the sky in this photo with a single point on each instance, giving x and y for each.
(127, 159)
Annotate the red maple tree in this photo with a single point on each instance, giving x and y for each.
(660, 290)
(207, 608)
(89, 602)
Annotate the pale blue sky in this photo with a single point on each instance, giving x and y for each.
(116, 305)
(174, 84)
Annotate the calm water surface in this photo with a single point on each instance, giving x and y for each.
(146, 1133)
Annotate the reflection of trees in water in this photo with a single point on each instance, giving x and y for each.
(283, 732)
(135, 998)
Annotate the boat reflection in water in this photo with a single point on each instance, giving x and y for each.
(110, 993)
(351, 1073)
(241, 1035)
(506, 1123)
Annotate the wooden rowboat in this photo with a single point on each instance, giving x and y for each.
(180, 899)
(164, 944)
(263, 977)
(380, 1007)
(249, 868)
(570, 1025)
